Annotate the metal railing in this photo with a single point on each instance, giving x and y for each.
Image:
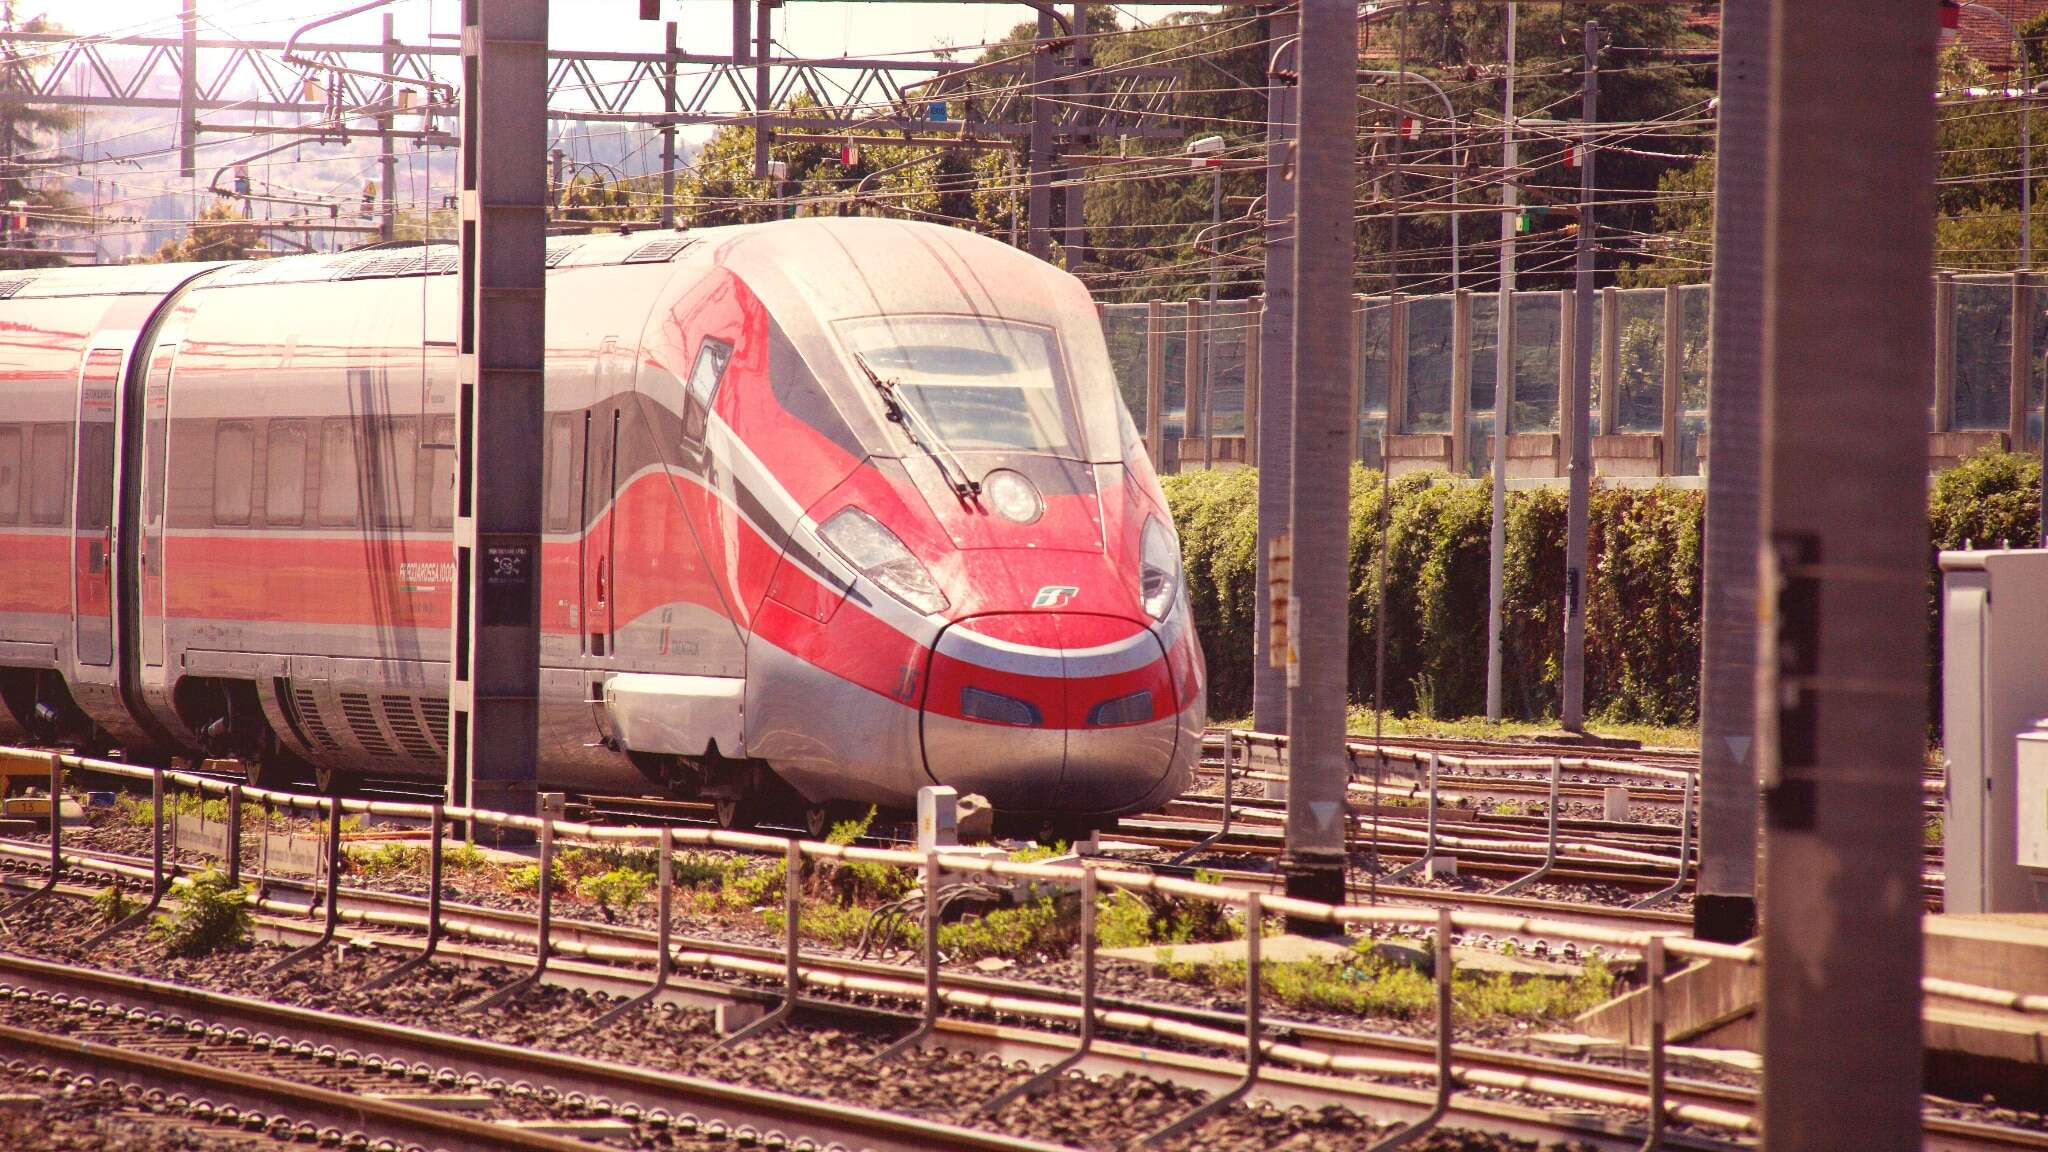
(935, 866)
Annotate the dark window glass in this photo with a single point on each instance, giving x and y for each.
(284, 473)
(234, 472)
(339, 497)
(561, 464)
(52, 467)
(441, 476)
(10, 475)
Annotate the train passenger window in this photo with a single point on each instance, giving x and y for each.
(398, 453)
(561, 465)
(709, 369)
(284, 473)
(441, 477)
(51, 464)
(234, 472)
(339, 497)
(10, 475)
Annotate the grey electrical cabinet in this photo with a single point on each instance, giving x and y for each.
(1994, 657)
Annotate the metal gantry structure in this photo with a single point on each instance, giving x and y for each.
(342, 92)
(1825, 697)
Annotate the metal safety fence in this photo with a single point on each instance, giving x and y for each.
(1190, 376)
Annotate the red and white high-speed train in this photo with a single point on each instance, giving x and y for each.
(834, 509)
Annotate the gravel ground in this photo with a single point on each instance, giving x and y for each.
(826, 1061)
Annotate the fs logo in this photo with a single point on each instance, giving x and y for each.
(1055, 596)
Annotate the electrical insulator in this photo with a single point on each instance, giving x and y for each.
(1280, 594)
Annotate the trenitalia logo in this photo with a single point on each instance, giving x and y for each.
(1055, 596)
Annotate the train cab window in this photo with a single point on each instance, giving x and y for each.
(234, 472)
(709, 369)
(561, 464)
(50, 464)
(441, 473)
(10, 475)
(284, 473)
(339, 496)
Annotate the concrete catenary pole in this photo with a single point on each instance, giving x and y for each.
(1496, 567)
(1725, 908)
(495, 661)
(1324, 368)
(1038, 198)
(1848, 345)
(1578, 409)
(1276, 375)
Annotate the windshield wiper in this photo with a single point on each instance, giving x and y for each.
(921, 434)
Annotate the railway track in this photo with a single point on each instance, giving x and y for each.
(1517, 1094)
(411, 1084)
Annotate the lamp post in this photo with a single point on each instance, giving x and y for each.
(1207, 151)
(2023, 66)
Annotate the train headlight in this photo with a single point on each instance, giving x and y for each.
(1158, 568)
(881, 557)
(1013, 496)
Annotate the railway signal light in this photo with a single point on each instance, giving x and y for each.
(17, 215)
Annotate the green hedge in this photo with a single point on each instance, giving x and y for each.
(1643, 587)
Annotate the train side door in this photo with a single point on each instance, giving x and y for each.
(600, 484)
(156, 431)
(92, 507)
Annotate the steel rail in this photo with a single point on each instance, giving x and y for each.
(1489, 1069)
(269, 1099)
(736, 1104)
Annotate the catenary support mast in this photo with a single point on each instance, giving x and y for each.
(1320, 489)
(1725, 908)
(495, 665)
(1848, 345)
(1276, 376)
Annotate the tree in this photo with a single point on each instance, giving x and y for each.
(220, 233)
(27, 166)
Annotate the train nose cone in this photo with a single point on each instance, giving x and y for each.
(1050, 712)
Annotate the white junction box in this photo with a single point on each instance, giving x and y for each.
(2032, 785)
(1994, 655)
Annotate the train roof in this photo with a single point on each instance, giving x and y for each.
(871, 245)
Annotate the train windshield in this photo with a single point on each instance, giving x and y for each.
(979, 384)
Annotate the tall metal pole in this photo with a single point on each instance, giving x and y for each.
(763, 48)
(495, 689)
(1725, 908)
(1496, 570)
(1848, 342)
(668, 128)
(1038, 202)
(188, 90)
(1578, 415)
(1324, 368)
(387, 158)
(1079, 59)
(1211, 323)
(1275, 445)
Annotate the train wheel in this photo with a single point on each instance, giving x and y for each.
(740, 812)
(819, 819)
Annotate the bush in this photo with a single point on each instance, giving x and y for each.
(616, 892)
(1642, 586)
(113, 905)
(211, 915)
